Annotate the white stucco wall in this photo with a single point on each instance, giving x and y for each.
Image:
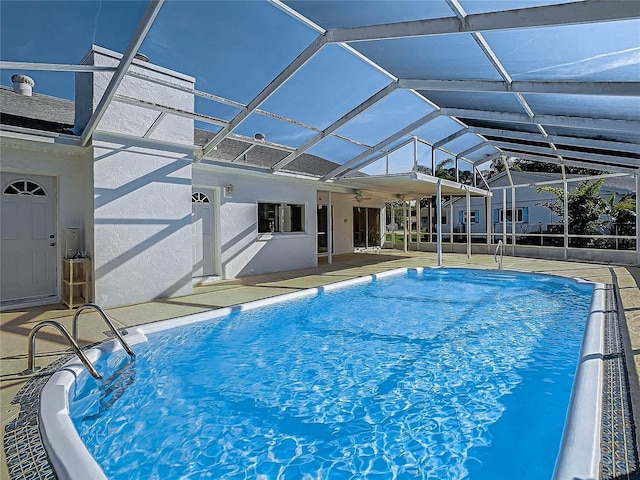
(142, 233)
(243, 251)
(71, 168)
(142, 186)
(133, 119)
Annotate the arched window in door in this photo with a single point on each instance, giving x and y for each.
(24, 187)
(199, 197)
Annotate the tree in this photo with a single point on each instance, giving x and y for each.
(584, 208)
(622, 215)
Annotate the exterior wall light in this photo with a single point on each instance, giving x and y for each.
(228, 190)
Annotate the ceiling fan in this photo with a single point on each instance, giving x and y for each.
(359, 197)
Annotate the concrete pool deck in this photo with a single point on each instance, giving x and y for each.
(16, 324)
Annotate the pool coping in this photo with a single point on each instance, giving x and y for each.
(71, 459)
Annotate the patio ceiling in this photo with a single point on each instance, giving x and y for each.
(413, 185)
(381, 87)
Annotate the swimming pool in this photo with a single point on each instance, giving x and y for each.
(435, 373)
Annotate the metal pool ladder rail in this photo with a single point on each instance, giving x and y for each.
(500, 247)
(74, 345)
(114, 330)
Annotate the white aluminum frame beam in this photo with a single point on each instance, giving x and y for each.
(557, 139)
(138, 37)
(305, 56)
(595, 157)
(55, 67)
(385, 153)
(625, 89)
(543, 16)
(558, 120)
(170, 110)
(450, 138)
(399, 134)
(569, 162)
(474, 149)
(372, 100)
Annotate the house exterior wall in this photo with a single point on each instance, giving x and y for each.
(70, 167)
(142, 221)
(243, 250)
(142, 187)
(132, 119)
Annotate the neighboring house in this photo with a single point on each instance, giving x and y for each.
(531, 216)
(153, 220)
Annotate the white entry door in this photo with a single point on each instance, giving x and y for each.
(203, 234)
(29, 237)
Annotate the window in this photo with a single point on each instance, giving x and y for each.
(199, 197)
(280, 217)
(475, 216)
(24, 187)
(522, 215)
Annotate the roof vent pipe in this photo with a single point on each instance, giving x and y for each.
(22, 84)
(141, 56)
(259, 136)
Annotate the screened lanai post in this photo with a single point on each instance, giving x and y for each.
(565, 210)
(404, 212)
(514, 219)
(418, 224)
(329, 229)
(468, 223)
(439, 220)
(638, 218)
(487, 207)
(504, 216)
(146, 22)
(451, 221)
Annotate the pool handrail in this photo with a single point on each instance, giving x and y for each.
(114, 330)
(500, 247)
(65, 333)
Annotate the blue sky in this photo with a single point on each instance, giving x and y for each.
(235, 48)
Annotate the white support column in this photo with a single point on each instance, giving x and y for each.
(468, 223)
(487, 206)
(329, 229)
(514, 218)
(418, 224)
(404, 214)
(504, 216)
(439, 220)
(430, 220)
(451, 221)
(415, 154)
(637, 218)
(565, 216)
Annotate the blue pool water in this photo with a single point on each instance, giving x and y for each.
(445, 374)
